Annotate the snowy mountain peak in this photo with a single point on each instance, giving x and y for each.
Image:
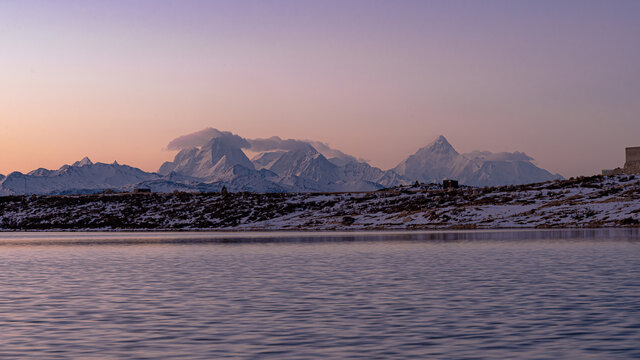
(84, 162)
(439, 160)
(440, 145)
(434, 162)
(209, 162)
(226, 152)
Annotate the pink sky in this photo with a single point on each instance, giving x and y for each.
(118, 80)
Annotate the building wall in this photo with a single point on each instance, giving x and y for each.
(632, 165)
(633, 153)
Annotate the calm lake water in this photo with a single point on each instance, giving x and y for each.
(572, 294)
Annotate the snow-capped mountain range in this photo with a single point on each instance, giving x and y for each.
(220, 159)
(439, 160)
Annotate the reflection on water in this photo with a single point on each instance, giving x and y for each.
(505, 294)
(139, 238)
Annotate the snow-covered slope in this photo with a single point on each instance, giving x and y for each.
(266, 159)
(308, 163)
(81, 177)
(259, 181)
(505, 172)
(439, 160)
(304, 168)
(361, 171)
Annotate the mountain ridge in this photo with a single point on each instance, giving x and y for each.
(279, 166)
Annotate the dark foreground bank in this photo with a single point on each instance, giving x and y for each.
(584, 202)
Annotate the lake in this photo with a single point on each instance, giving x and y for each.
(570, 294)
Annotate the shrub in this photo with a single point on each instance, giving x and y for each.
(348, 220)
(629, 221)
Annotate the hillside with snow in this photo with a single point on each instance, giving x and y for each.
(583, 202)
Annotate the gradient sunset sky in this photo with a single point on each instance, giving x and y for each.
(118, 80)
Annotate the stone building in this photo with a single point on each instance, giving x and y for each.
(632, 165)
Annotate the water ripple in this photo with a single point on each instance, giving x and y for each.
(392, 298)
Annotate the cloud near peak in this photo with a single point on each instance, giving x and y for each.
(501, 156)
(274, 143)
(202, 137)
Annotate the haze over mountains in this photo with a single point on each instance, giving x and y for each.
(210, 159)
